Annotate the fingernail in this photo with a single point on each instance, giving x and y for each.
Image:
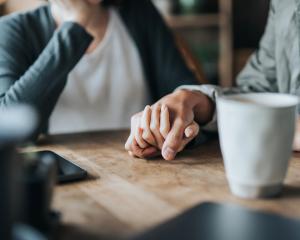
(189, 132)
(169, 153)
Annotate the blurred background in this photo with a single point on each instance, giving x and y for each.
(215, 36)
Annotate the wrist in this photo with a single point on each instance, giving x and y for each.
(203, 107)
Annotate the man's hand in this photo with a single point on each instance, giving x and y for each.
(148, 134)
(184, 107)
(78, 11)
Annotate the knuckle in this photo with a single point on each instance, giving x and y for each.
(139, 139)
(182, 93)
(163, 130)
(156, 107)
(154, 126)
(181, 122)
(136, 135)
(146, 135)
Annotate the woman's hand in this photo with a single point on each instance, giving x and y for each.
(78, 11)
(135, 144)
(296, 145)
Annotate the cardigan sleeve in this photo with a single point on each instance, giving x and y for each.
(168, 64)
(164, 65)
(40, 82)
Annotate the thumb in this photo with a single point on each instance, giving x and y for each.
(190, 133)
(173, 141)
(192, 130)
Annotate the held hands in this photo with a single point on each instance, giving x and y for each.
(149, 131)
(168, 126)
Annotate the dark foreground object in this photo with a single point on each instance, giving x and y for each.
(211, 221)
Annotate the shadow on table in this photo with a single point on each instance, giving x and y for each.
(70, 232)
(86, 137)
(206, 152)
(291, 191)
(88, 178)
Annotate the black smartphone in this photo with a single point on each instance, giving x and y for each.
(66, 170)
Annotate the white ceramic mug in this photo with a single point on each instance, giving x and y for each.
(256, 136)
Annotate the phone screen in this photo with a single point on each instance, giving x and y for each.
(66, 170)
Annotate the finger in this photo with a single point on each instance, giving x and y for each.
(131, 153)
(139, 138)
(192, 130)
(135, 130)
(155, 126)
(143, 153)
(174, 140)
(146, 121)
(164, 121)
(129, 143)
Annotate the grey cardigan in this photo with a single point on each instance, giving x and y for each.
(275, 66)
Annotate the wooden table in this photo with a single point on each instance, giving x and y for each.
(124, 195)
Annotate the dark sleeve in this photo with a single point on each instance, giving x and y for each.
(40, 83)
(163, 63)
(171, 70)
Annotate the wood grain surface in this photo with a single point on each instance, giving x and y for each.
(124, 195)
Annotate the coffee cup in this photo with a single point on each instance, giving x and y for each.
(256, 137)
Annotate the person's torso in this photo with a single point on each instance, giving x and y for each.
(105, 88)
(287, 42)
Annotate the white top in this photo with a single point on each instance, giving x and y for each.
(105, 88)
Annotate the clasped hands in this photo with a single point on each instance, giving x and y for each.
(169, 125)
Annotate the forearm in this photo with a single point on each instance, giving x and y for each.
(41, 83)
(58, 58)
(204, 109)
(202, 98)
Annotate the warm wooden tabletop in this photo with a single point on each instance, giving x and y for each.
(125, 195)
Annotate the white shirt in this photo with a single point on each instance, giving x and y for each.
(105, 88)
